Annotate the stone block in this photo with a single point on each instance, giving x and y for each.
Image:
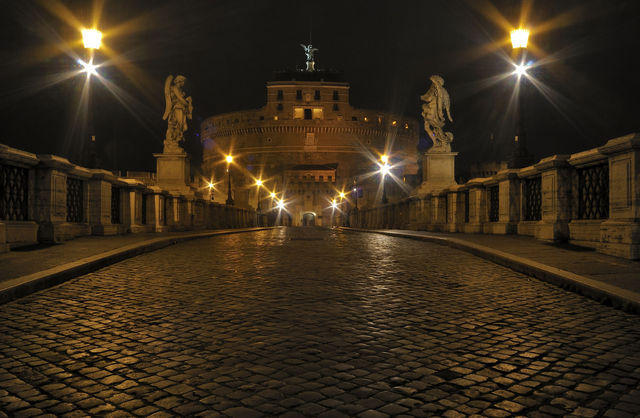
(438, 170)
(173, 172)
(20, 233)
(620, 239)
(3, 238)
(585, 233)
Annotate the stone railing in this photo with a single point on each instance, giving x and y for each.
(590, 199)
(45, 198)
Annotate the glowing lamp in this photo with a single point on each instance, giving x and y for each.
(258, 182)
(384, 158)
(521, 69)
(334, 204)
(210, 185)
(341, 195)
(280, 204)
(384, 169)
(91, 38)
(519, 38)
(272, 194)
(229, 159)
(88, 67)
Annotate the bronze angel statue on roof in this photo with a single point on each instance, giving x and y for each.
(437, 102)
(309, 51)
(178, 109)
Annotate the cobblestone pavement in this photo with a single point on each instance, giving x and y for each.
(317, 323)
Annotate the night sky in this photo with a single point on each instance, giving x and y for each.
(387, 50)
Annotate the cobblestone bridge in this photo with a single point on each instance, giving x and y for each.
(319, 323)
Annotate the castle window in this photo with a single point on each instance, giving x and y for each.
(307, 114)
(317, 113)
(317, 95)
(336, 96)
(261, 117)
(321, 178)
(335, 107)
(406, 126)
(366, 119)
(279, 106)
(275, 117)
(298, 94)
(298, 113)
(280, 95)
(330, 178)
(354, 118)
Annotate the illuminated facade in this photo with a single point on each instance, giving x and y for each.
(307, 144)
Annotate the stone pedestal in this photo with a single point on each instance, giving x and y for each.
(620, 234)
(438, 171)
(173, 173)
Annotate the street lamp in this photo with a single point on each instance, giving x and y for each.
(229, 159)
(259, 185)
(384, 170)
(211, 187)
(91, 38)
(519, 41)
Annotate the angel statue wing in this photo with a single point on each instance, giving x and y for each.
(447, 103)
(167, 97)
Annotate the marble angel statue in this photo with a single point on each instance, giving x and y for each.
(178, 109)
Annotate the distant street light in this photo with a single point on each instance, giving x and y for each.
(259, 185)
(211, 190)
(229, 160)
(384, 170)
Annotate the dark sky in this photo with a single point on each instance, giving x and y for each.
(387, 50)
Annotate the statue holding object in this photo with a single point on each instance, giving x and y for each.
(437, 102)
(178, 109)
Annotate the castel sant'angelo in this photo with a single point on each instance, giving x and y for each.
(307, 144)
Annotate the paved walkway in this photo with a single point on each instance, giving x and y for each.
(308, 322)
(598, 270)
(33, 259)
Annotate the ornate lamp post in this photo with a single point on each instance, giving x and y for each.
(259, 186)
(519, 41)
(211, 190)
(229, 160)
(355, 198)
(384, 170)
(91, 39)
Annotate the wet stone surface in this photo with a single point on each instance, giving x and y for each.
(317, 323)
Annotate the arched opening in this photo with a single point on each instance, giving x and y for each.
(309, 219)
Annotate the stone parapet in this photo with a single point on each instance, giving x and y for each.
(590, 198)
(54, 200)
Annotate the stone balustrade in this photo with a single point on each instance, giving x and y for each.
(46, 198)
(590, 198)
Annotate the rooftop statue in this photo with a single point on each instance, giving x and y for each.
(433, 111)
(309, 50)
(178, 109)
